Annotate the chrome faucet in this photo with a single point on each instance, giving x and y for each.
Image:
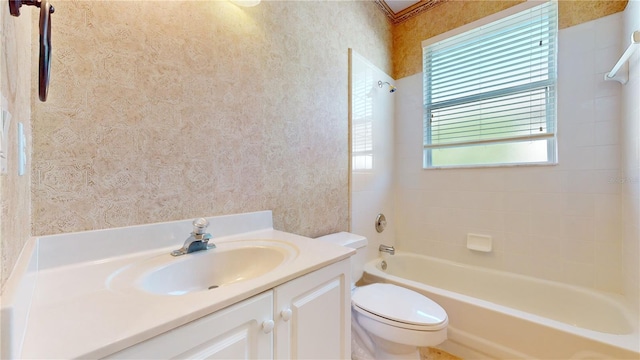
(388, 249)
(198, 241)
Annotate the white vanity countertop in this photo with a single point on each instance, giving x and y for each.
(75, 312)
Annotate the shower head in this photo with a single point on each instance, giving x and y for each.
(392, 88)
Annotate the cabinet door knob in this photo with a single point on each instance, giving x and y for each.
(267, 326)
(286, 314)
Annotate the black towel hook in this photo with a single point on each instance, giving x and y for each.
(45, 40)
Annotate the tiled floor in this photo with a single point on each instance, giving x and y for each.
(430, 353)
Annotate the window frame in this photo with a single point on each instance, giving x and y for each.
(549, 86)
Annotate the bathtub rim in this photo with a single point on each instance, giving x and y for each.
(628, 342)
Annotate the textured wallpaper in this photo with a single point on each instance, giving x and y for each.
(164, 110)
(408, 35)
(15, 88)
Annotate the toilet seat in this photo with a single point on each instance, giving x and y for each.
(399, 307)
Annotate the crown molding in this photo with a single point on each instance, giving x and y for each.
(409, 12)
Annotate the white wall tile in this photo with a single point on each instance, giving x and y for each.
(608, 31)
(582, 274)
(607, 132)
(579, 135)
(608, 108)
(606, 57)
(518, 243)
(518, 201)
(605, 88)
(577, 227)
(630, 144)
(607, 157)
(578, 205)
(577, 157)
(578, 250)
(578, 39)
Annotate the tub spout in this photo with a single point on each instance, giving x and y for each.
(388, 249)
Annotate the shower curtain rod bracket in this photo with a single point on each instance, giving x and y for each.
(623, 76)
(44, 68)
(15, 5)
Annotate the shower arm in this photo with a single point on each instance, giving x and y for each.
(392, 88)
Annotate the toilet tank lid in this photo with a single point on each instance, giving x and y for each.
(346, 239)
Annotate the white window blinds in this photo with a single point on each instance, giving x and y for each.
(362, 118)
(494, 84)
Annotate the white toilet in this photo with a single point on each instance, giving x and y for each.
(388, 321)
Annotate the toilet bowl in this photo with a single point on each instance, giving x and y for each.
(398, 320)
(388, 321)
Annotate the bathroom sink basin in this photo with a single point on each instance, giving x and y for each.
(229, 263)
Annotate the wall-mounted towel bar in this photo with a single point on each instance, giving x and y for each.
(45, 40)
(623, 77)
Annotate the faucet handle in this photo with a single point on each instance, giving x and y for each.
(200, 226)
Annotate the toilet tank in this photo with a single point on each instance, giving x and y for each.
(353, 241)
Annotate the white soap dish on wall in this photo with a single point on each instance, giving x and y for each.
(478, 242)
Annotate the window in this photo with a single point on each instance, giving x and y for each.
(490, 92)
(362, 117)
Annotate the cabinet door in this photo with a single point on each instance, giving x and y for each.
(235, 332)
(313, 317)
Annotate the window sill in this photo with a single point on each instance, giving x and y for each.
(490, 166)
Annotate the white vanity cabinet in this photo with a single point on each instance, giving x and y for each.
(240, 331)
(306, 318)
(313, 315)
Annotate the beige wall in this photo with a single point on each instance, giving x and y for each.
(408, 35)
(171, 110)
(15, 79)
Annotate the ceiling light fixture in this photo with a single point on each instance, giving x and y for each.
(246, 3)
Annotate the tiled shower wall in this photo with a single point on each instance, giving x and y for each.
(558, 222)
(372, 188)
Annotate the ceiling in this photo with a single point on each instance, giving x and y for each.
(400, 10)
(399, 5)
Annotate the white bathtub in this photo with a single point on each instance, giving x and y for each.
(505, 316)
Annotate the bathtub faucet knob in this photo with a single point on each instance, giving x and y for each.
(388, 249)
